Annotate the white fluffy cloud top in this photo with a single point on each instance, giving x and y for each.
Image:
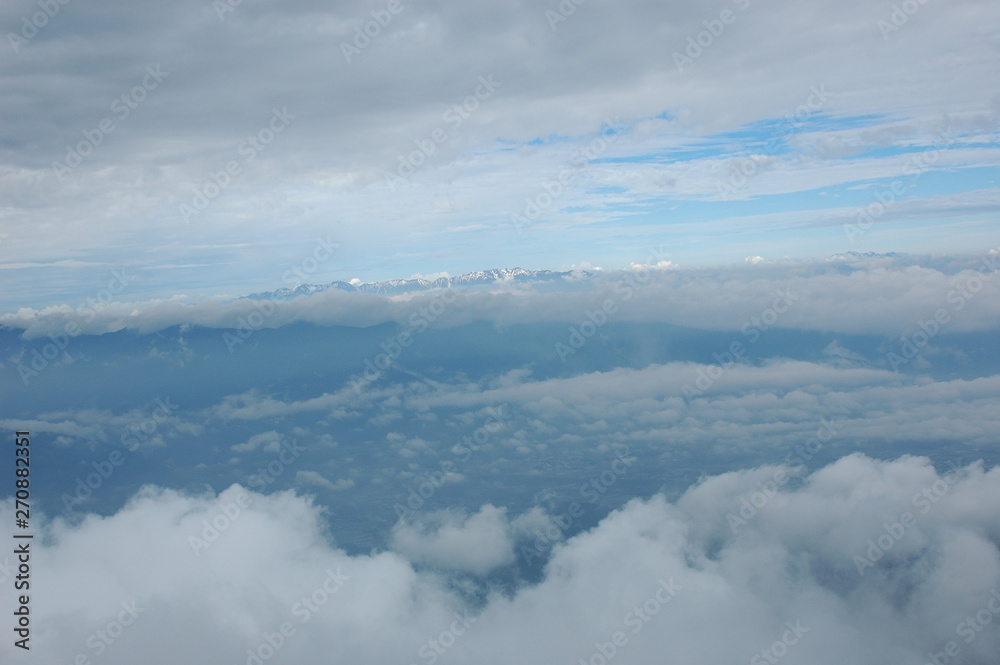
(863, 561)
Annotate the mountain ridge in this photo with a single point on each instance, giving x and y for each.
(399, 286)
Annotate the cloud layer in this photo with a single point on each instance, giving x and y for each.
(876, 296)
(862, 561)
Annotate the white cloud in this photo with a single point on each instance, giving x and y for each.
(318, 480)
(677, 581)
(270, 441)
(327, 170)
(476, 543)
(887, 297)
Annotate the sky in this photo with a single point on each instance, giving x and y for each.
(225, 142)
(744, 411)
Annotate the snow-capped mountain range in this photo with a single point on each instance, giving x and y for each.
(481, 278)
(864, 256)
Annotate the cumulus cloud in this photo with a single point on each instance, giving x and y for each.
(863, 561)
(316, 479)
(269, 441)
(476, 543)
